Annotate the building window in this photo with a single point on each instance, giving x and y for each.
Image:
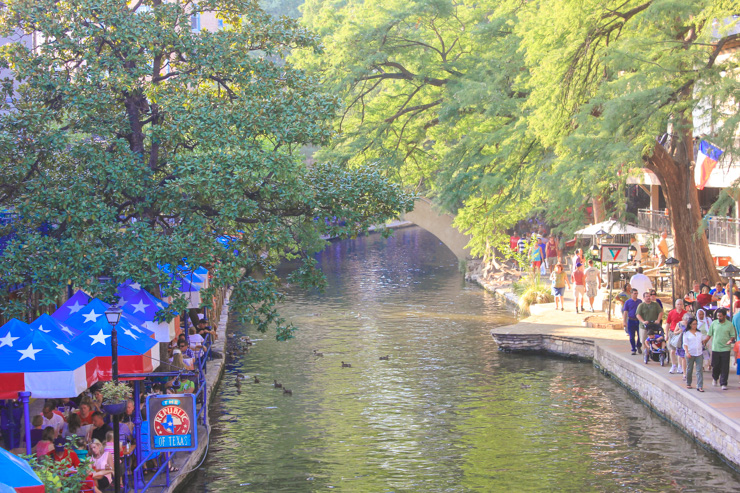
(220, 23)
(195, 22)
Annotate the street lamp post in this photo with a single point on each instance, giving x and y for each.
(672, 262)
(730, 271)
(113, 315)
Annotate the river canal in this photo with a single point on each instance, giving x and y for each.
(446, 412)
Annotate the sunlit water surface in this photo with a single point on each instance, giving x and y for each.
(446, 412)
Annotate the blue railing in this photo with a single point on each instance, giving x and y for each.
(135, 478)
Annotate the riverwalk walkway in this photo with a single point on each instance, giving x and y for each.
(712, 418)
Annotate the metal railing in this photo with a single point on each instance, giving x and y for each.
(720, 230)
(653, 221)
(723, 230)
(134, 478)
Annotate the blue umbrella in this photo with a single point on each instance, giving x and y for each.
(17, 474)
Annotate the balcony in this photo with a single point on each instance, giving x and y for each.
(720, 230)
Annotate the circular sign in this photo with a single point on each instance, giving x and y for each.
(171, 420)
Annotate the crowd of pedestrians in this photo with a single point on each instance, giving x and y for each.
(699, 335)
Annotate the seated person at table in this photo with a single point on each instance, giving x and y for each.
(196, 342)
(102, 465)
(185, 386)
(109, 442)
(63, 454)
(46, 444)
(704, 298)
(187, 355)
(72, 426)
(51, 418)
(85, 412)
(204, 329)
(718, 290)
(99, 429)
(38, 429)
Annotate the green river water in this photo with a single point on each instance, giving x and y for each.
(446, 412)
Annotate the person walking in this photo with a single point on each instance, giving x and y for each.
(674, 317)
(536, 256)
(693, 346)
(578, 278)
(552, 252)
(559, 279)
(593, 282)
(640, 281)
(722, 334)
(631, 324)
(702, 323)
(648, 312)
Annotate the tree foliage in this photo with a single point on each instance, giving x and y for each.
(502, 108)
(133, 141)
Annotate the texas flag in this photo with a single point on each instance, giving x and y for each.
(706, 160)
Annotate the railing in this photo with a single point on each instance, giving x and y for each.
(653, 221)
(136, 478)
(720, 230)
(723, 230)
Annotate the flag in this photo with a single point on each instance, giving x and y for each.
(706, 160)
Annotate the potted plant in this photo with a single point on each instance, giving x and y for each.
(114, 397)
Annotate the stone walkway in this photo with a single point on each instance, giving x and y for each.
(712, 417)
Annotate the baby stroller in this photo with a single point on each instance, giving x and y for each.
(655, 346)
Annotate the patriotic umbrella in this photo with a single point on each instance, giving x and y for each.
(13, 330)
(144, 307)
(72, 306)
(17, 474)
(53, 328)
(47, 367)
(191, 291)
(137, 352)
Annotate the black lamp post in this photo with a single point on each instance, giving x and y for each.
(113, 315)
(730, 271)
(672, 262)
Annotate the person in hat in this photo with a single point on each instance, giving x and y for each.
(64, 455)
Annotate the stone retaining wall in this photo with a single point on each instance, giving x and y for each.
(711, 429)
(569, 347)
(694, 417)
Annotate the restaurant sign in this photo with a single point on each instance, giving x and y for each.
(172, 422)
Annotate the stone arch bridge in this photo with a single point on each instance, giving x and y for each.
(440, 225)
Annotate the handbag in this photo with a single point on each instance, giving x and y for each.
(676, 340)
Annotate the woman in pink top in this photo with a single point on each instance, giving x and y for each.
(102, 465)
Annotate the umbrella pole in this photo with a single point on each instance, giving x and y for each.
(24, 396)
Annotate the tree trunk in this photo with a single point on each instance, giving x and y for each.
(691, 249)
(599, 210)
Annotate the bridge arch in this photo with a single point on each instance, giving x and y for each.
(440, 225)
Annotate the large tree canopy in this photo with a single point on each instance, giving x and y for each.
(501, 108)
(133, 141)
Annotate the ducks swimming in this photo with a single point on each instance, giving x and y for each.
(287, 391)
(385, 358)
(256, 380)
(278, 385)
(316, 353)
(346, 365)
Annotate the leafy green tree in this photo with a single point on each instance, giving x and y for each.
(433, 91)
(615, 87)
(133, 141)
(500, 109)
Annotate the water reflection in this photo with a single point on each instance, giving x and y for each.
(446, 412)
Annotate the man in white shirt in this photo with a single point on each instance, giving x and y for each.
(52, 419)
(196, 342)
(641, 282)
(593, 282)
